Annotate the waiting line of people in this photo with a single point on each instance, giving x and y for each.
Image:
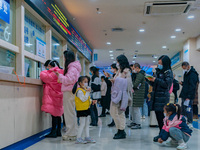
(127, 88)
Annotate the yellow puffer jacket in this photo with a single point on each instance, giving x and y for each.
(81, 106)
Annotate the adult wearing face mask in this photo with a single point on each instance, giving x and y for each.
(108, 93)
(138, 96)
(161, 86)
(190, 81)
(120, 96)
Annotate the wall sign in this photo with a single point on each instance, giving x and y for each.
(5, 10)
(186, 55)
(176, 58)
(40, 48)
(52, 14)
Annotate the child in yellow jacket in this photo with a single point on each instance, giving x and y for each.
(82, 102)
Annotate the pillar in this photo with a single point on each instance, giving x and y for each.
(20, 13)
(48, 43)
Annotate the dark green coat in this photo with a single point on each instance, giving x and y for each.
(139, 90)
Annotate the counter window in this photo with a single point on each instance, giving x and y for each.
(32, 68)
(33, 30)
(57, 53)
(7, 61)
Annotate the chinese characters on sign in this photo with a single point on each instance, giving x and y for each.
(5, 10)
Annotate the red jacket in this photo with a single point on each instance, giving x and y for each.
(52, 101)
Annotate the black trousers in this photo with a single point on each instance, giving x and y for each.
(94, 114)
(56, 123)
(195, 109)
(63, 120)
(103, 104)
(160, 116)
(127, 111)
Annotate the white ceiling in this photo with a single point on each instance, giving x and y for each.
(128, 14)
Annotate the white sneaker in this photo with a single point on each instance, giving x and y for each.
(190, 126)
(80, 141)
(90, 140)
(171, 143)
(182, 146)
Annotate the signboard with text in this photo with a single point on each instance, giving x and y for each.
(52, 14)
(40, 48)
(5, 10)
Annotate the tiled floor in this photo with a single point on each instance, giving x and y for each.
(136, 140)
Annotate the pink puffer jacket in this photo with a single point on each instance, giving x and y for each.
(71, 76)
(52, 101)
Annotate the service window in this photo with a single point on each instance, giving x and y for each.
(7, 21)
(33, 30)
(7, 61)
(57, 53)
(32, 68)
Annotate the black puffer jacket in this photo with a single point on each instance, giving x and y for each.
(190, 81)
(160, 95)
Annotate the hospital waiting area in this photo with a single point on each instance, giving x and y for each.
(99, 74)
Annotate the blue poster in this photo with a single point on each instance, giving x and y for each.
(175, 59)
(5, 10)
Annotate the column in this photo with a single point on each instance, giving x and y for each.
(87, 68)
(64, 48)
(20, 13)
(82, 61)
(48, 43)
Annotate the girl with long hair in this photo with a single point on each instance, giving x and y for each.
(161, 87)
(68, 79)
(123, 74)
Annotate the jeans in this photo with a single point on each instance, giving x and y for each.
(144, 109)
(94, 114)
(187, 111)
(177, 135)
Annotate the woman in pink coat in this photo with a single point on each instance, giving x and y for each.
(52, 101)
(68, 79)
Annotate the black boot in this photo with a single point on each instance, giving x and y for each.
(112, 124)
(121, 135)
(117, 132)
(52, 134)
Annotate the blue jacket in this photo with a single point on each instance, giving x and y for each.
(173, 121)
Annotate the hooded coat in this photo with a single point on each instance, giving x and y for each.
(52, 101)
(71, 77)
(139, 89)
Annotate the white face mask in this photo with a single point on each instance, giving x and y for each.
(185, 70)
(85, 85)
(117, 65)
(112, 70)
(165, 114)
(134, 71)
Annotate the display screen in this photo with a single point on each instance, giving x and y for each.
(52, 14)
